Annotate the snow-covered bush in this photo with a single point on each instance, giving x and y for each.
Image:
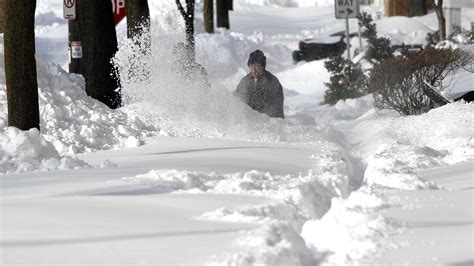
(457, 36)
(347, 80)
(379, 48)
(398, 83)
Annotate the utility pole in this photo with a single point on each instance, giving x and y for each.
(74, 36)
(208, 16)
(75, 48)
(1, 16)
(222, 13)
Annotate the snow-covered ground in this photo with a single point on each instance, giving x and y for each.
(178, 177)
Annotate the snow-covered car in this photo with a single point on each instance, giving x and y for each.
(321, 47)
(333, 45)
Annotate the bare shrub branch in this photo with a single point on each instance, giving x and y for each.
(397, 83)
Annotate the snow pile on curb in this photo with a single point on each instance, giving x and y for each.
(292, 201)
(352, 230)
(272, 244)
(74, 122)
(286, 3)
(394, 148)
(400, 146)
(448, 144)
(71, 122)
(26, 151)
(395, 166)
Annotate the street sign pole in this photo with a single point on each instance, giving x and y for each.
(346, 9)
(74, 36)
(75, 48)
(70, 8)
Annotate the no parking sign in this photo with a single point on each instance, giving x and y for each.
(69, 9)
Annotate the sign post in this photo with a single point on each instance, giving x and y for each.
(75, 47)
(346, 9)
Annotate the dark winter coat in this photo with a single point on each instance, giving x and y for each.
(264, 95)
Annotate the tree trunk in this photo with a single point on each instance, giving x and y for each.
(188, 16)
(222, 14)
(138, 30)
(75, 63)
(190, 22)
(138, 18)
(209, 16)
(1, 16)
(99, 45)
(20, 64)
(417, 7)
(441, 19)
(441, 25)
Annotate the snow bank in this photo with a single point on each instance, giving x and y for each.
(73, 121)
(292, 201)
(26, 151)
(312, 191)
(352, 230)
(395, 149)
(403, 30)
(285, 3)
(444, 133)
(272, 244)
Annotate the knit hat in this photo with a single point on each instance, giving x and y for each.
(257, 57)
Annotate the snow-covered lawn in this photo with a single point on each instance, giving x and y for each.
(178, 177)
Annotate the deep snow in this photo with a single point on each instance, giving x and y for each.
(178, 176)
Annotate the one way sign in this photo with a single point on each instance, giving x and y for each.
(347, 8)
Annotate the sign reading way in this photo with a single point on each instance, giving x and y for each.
(346, 8)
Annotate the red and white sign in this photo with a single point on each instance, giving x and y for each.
(119, 10)
(69, 9)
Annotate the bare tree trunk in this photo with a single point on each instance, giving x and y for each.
(1, 16)
(222, 14)
(75, 63)
(208, 16)
(20, 64)
(99, 44)
(441, 19)
(138, 30)
(417, 7)
(188, 16)
(138, 17)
